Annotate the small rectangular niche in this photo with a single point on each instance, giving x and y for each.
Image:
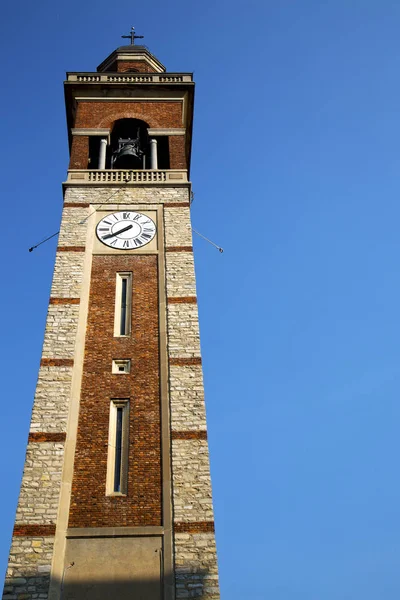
(121, 366)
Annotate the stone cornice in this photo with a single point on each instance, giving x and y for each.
(167, 131)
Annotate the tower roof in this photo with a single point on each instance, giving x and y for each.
(131, 58)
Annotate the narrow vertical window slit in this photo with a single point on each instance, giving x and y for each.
(123, 304)
(117, 466)
(124, 285)
(118, 451)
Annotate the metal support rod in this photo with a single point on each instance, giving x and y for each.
(71, 564)
(43, 241)
(209, 241)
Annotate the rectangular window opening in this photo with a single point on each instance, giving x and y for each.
(117, 464)
(123, 304)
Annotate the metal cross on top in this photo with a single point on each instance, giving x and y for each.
(132, 36)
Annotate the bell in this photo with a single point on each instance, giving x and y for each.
(128, 155)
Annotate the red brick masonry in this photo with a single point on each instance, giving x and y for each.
(44, 436)
(183, 362)
(57, 362)
(71, 249)
(104, 114)
(177, 151)
(76, 204)
(34, 530)
(175, 204)
(179, 249)
(142, 506)
(80, 155)
(194, 527)
(64, 301)
(182, 300)
(132, 66)
(189, 435)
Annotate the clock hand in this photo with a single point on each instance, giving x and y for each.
(110, 235)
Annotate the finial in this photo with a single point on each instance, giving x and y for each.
(132, 36)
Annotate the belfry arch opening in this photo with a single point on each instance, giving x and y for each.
(129, 147)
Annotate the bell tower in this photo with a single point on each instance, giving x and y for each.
(115, 498)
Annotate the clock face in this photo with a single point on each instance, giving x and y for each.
(126, 230)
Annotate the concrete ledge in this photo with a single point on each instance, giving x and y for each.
(92, 131)
(90, 532)
(167, 131)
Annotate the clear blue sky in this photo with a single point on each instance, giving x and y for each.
(296, 164)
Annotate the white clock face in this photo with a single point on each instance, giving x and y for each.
(126, 230)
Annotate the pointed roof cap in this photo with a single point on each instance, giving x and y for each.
(126, 58)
